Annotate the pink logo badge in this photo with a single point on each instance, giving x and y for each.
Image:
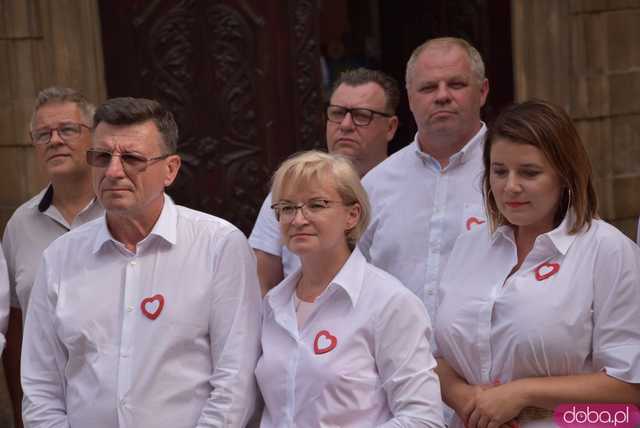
(595, 415)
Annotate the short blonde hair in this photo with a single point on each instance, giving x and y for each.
(304, 167)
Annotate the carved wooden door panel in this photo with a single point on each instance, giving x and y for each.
(242, 78)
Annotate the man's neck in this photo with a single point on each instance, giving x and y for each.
(129, 229)
(442, 146)
(71, 195)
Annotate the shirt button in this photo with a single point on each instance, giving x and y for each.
(133, 263)
(129, 308)
(124, 355)
(430, 292)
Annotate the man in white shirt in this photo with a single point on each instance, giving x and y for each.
(425, 195)
(361, 121)
(148, 316)
(60, 131)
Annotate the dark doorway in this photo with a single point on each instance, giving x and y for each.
(242, 78)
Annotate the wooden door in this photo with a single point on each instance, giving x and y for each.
(242, 78)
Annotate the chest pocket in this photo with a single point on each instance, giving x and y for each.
(472, 216)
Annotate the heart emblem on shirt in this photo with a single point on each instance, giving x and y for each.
(473, 220)
(545, 270)
(152, 306)
(325, 342)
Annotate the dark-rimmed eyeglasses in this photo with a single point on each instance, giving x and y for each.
(130, 162)
(66, 131)
(286, 211)
(359, 116)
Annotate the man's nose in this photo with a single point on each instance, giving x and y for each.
(55, 137)
(115, 167)
(347, 121)
(442, 93)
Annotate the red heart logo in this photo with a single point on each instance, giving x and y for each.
(324, 342)
(545, 270)
(474, 220)
(152, 306)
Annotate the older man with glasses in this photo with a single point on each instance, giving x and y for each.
(60, 131)
(149, 316)
(361, 121)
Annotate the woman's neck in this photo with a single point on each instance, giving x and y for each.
(318, 270)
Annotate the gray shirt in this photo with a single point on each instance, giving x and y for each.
(30, 230)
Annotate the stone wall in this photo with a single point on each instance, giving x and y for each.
(584, 55)
(42, 43)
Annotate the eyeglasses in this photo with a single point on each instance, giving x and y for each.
(313, 208)
(130, 162)
(67, 132)
(359, 116)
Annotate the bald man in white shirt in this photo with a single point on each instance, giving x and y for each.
(148, 316)
(425, 195)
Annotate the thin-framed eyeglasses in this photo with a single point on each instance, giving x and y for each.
(67, 132)
(130, 162)
(359, 116)
(286, 211)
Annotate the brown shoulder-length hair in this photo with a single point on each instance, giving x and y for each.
(550, 129)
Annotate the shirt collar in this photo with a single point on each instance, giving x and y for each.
(464, 154)
(558, 237)
(46, 199)
(350, 278)
(166, 226)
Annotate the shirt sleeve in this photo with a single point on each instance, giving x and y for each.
(366, 240)
(616, 333)
(406, 365)
(43, 358)
(8, 246)
(234, 330)
(265, 235)
(4, 301)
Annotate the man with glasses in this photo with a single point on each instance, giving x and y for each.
(60, 131)
(427, 193)
(149, 316)
(361, 121)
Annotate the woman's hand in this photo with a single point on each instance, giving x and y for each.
(497, 406)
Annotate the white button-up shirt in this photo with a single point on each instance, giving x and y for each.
(265, 236)
(418, 209)
(571, 308)
(164, 337)
(31, 228)
(362, 358)
(4, 301)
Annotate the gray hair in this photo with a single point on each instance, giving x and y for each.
(59, 94)
(475, 59)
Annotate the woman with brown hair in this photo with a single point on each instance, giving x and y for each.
(541, 307)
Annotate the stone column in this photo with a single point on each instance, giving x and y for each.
(42, 43)
(584, 55)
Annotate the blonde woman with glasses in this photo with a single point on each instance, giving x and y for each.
(344, 343)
